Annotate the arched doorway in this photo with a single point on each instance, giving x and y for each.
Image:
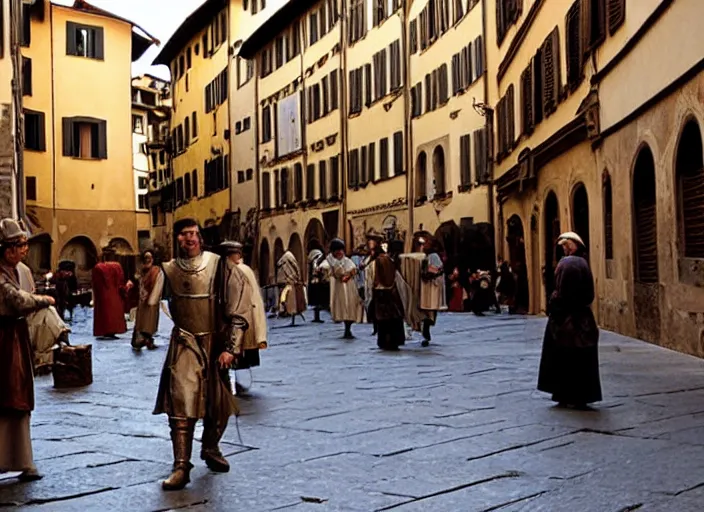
(438, 171)
(689, 172)
(83, 253)
(551, 231)
(646, 295)
(122, 247)
(315, 236)
(517, 259)
(580, 213)
(39, 257)
(264, 263)
(422, 177)
(296, 247)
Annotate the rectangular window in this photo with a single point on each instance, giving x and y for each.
(551, 73)
(413, 36)
(310, 182)
(364, 158)
(277, 189)
(26, 30)
(368, 92)
(246, 124)
(527, 118)
(398, 153)
(87, 41)
(26, 76)
(378, 12)
(34, 130)
(240, 177)
(142, 202)
(194, 125)
(294, 46)
(179, 190)
(417, 100)
(465, 163)
(335, 177)
(479, 57)
(480, 157)
(459, 10)
(187, 186)
(353, 180)
(316, 102)
(334, 94)
(384, 158)
(428, 94)
(266, 124)
(573, 46)
(326, 95)
(137, 124)
(395, 55)
(313, 27)
(266, 190)
(194, 180)
(30, 188)
(323, 179)
(355, 77)
(280, 51)
(323, 16)
(188, 58)
(371, 163)
(84, 137)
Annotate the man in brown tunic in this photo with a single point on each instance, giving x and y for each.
(16, 375)
(204, 344)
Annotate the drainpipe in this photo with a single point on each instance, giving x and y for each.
(257, 178)
(489, 126)
(54, 225)
(408, 124)
(16, 113)
(344, 142)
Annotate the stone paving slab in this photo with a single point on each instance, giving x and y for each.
(334, 425)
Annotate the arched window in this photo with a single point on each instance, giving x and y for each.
(645, 234)
(438, 170)
(580, 213)
(422, 176)
(689, 171)
(608, 217)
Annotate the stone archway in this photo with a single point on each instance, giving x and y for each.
(122, 247)
(646, 292)
(580, 214)
(39, 257)
(82, 252)
(278, 250)
(315, 236)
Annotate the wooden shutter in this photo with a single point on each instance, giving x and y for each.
(479, 59)
(396, 63)
(353, 178)
(71, 29)
(398, 153)
(527, 118)
(370, 162)
(41, 131)
(413, 36)
(551, 72)
(364, 166)
(323, 20)
(335, 176)
(692, 208)
(102, 139)
(424, 29)
(428, 94)
(466, 77)
(334, 98)
(26, 76)
(383, 82)
(67, 136)
(326, 95)
(511, 118)
(538, 86)
(480, 155)
(310, 182)
(465, 169)
(100, 43)
(323, 176)
(367, 84)
(384, 158)
(443, 85)
(352, 81)
(455, 74)
(573, 43)
(500, 21)
(616, 14)
(608, 219)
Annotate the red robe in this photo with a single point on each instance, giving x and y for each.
(108, 315)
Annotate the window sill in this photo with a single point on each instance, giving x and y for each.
(86, 57)
(33, 150)
(89, 158)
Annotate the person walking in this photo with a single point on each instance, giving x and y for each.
(569, 364)
(432, 287)
(151, 284)
(211, 315)
(345, 302)
(16, 372)
(108, 284)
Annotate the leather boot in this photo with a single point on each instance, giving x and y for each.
(210, 451)
(316, 317)
(348, 331)
(426, 333)
(182, 442)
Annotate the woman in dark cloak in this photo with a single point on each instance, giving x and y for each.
(569, 365)
(388, 305)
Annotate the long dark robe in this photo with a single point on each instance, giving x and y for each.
(108, 315)
(387, 305)
(569, 365)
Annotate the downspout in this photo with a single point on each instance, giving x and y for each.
(489, 127)
(54, 226)
(344, 142)
(408, 125)
(257, 185)
(16, 113)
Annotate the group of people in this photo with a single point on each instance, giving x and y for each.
(220, 325)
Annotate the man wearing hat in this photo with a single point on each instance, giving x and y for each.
(16, 373)
(345, 303)
(432, 285)
(374, 241)
(210, 321)
(292, 300)
(318, 284)
(240, 281)
(569, 364)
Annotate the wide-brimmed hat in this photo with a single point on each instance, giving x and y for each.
(11, 232)
(570, 235)
(373, 234)
(230, 247)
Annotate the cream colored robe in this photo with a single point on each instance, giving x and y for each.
(345, 303)
(256, 335)
(432, 293)
(45, 325)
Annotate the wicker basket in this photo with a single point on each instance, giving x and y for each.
(73, 366)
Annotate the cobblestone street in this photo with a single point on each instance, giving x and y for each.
(338, 425)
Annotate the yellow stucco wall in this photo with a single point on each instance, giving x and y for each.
(211, 130)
